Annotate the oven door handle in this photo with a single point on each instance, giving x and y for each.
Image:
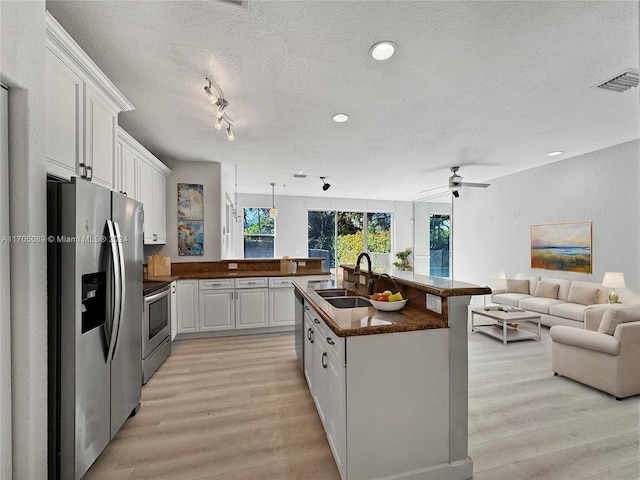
(117, 291)
(166, 291)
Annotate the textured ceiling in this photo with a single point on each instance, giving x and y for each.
(491, 86)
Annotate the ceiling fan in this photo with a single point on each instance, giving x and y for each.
(456, 183)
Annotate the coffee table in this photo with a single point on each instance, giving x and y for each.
(506, 333)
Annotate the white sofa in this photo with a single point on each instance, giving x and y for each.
(605, 354)
(558, 301)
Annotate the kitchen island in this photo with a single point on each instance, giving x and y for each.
(391, 387)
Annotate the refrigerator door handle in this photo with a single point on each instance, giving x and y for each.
(117, 304)
(123, 283)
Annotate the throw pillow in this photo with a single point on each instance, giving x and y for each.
(547, 290)
(517, 286)
(615, 316)
(583, 295)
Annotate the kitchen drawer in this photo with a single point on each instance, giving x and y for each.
(216, 284)
(276, 282)
(335, 345)
(317, 322)
(257, 282)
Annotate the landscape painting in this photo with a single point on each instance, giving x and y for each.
(561, 246)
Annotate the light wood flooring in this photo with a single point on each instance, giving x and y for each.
(238, 408)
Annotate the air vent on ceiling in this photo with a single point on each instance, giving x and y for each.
(299, 175)
(235, 3)
(621, 82)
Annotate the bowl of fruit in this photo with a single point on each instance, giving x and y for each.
(387, 301)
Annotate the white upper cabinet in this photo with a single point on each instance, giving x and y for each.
(81, 111)
(140, 175)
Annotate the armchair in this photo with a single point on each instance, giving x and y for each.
(608, 362)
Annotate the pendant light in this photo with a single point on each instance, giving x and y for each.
(273, 213)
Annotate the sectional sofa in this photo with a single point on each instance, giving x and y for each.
(558, 301)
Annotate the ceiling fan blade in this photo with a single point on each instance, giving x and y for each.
(480, 185)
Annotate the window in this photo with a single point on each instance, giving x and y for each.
(340, 236)
(259, 233)
(439, 230)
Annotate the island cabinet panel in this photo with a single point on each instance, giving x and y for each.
(397, 388)
(308, 351)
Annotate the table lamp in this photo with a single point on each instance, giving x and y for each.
(613, 280)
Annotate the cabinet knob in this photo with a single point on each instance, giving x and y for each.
(155, 237)
(315, 320)
(89, 170)
(306, 308)
(330, 341)
(324, 355)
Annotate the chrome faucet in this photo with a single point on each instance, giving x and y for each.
(370, 281)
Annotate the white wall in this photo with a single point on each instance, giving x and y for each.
(492, 226)
(22, 69)
(208, 175)
(292, 227)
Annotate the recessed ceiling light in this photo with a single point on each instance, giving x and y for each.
(554, 154)
(340, 117)
(383, 50)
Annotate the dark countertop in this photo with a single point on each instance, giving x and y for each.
(232, 274)
(347, 322)
(150, 286)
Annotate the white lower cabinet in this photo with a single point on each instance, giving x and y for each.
(187, 306)
(325, 371)
(217, 310)
(281, 302)
(252, 307)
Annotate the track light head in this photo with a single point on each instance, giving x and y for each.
(325, 185)
(222, 104)
(212, 96)
(456, 193)
(218, 124)
(230, 136)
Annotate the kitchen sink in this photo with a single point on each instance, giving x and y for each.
(332, 292)
(349, 302)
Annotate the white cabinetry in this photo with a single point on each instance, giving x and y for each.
(153, 196)
(217, 305)
(324, 369)
(174, 309)
(140, 175)
(187, 305)
(81, 111)
(281, 302)
(252, 302)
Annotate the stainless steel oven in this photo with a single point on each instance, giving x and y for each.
(156, 329)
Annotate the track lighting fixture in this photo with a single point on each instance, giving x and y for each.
(216, 98)
(325, 185)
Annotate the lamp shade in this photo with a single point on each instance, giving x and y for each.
(613, 280)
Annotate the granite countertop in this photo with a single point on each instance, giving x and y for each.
(231, 274)
(346, 322)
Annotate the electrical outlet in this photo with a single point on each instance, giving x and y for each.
(363, 279)
(302, 264)
(434, 303)
(233, 266)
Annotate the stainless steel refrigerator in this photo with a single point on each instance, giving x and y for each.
(95, 320)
